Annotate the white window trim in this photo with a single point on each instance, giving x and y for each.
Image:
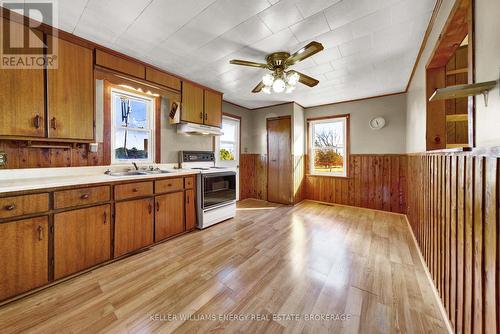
(343, 120)
(150, 121)
(236, 143)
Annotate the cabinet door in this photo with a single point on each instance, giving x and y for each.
(192, 103)
(24, 256)
(71, 93)
(22, 111)
(190, 210)
(133, 225)
(213, 109)
(169, 215)
(82, 239)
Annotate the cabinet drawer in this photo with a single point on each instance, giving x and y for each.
(84, 196)
(23, 205)
(169, 185)
(131, 190)
(189, 182)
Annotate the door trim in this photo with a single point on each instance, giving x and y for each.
(270, 119)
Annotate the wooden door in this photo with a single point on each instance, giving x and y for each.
(279, 165)
(133, 225)
(82, 239)
(24, 256)
(71, 93)
(192, 103)
(22, 111)
(190, 209)
(169, 215)
(213, 109)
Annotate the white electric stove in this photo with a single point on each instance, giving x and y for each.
(216, 187)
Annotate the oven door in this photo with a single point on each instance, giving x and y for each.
(218, 188)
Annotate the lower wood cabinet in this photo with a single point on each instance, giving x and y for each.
(169, 215)
(82, 239)
(190, 209)
(133, 225)
(24, 256)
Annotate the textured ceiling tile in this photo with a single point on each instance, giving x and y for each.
(311, 27)
(280, 41)
(281, 15)
(355, 46)
(311, 7)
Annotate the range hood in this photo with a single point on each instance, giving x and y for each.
(198, 129)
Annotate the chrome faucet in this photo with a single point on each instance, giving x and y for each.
(135, 165)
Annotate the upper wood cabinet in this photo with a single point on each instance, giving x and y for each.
(82, 239)
(213, 108)
(24, 261)
(71, 93)
(192, 103)
(133, 225)
(22, 111)
(119, 64)
(201, 106)
(163, 79)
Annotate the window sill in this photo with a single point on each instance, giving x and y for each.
(331, 176)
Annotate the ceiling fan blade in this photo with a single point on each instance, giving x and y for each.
(247, 63)
(258, 88)
(306, 52)
(306, 80)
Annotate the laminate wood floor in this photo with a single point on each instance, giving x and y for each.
(311, 268)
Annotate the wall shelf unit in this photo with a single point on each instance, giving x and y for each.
(458, 91)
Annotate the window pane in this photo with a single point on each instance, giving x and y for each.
(329, 134)
(227, 151)
(229, 130)
(130, 112)
(329, 160)
(131, 145)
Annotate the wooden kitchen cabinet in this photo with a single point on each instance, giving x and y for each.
(71, 93)
(24, 259)
(82, 239)
(192, 103)
(190, 203)
(133, 225)
(213, 108)
(169, 217)
(22, 111)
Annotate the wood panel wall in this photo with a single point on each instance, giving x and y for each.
(375, 182)
(299, 182)
(19, 155)
(253, 176)
(453, 209)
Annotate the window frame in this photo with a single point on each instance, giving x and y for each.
(310, 159)
(151, 121)
(218, 141)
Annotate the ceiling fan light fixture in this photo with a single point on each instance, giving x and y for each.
(266, 90)
(293, 79)
(279, 85)
(268, 80)
(289, 89)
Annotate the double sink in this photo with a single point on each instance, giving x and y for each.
(137, 172)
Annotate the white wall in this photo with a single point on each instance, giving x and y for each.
(299, 130)
(487, 54)
(259, 127)
(364, 140)
(246, 124)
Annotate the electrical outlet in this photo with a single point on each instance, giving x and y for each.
(3, 159)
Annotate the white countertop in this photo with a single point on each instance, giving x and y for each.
(45, 178)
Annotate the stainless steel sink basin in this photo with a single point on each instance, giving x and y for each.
(158, 171)
(131, 173)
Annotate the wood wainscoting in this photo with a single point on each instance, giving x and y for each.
(453, 209)
(374, 182)
(253, 176)
(41, 155)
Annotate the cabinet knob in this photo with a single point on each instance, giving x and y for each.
(37, 121)
(206, 116)
(10, 207)
(135, 190)
(85, 196)
(40, 233)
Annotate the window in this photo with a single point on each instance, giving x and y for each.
(328, 146)
(132, 128)
(229, 141)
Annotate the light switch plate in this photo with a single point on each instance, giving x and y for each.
(93, 147)
(3, 159)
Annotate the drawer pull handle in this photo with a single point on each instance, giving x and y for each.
(53, 123)
(105, 218)
(158, 206)
(40, 233)
(187, 199)
(10, 207)
(169, 185)
(85, 196)
(37, 121)
(150, 208)
(135, 190)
